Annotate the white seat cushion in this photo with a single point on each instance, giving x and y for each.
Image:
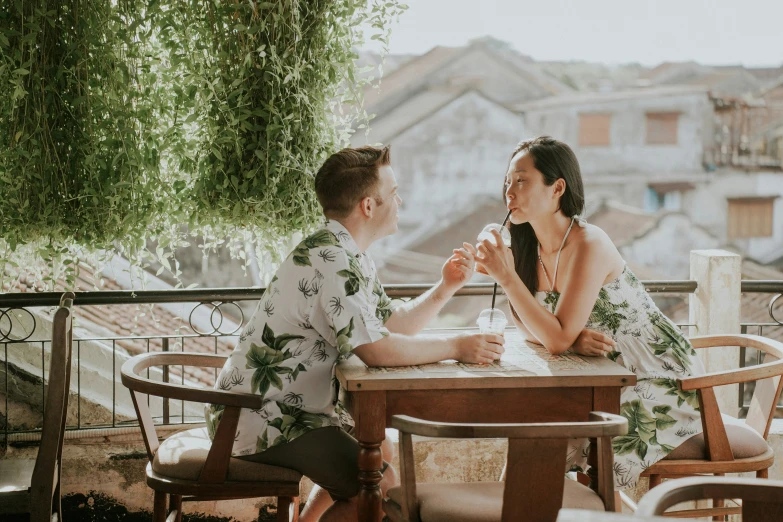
(483, 501)
(745, 442)
(182, 456)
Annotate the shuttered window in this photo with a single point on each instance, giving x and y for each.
(750, 217)
(662, 128)
(594, 129)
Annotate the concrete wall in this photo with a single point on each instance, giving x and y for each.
(707, 206)
(627, 152)
(445, 161)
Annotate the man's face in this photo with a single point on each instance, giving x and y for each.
(388, 203)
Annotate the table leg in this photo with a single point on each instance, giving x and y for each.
(606, 400)
(369, 414)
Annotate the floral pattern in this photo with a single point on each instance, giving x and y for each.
(324, 301)
(660, 415)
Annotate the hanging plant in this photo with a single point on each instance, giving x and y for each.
(75, 165)
(136, 122)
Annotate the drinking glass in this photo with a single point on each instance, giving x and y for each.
(487, 234)
(492, 320)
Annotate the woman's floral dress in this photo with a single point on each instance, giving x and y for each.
(660, 415)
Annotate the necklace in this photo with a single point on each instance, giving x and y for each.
(557, 259)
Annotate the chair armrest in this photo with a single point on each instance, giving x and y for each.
(132, 380)
(600, 425)
(672, 492)
(762, 371)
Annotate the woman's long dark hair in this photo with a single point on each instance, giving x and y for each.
(554, 160)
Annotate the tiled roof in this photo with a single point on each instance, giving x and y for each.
(409, 72)
(582, 98)
(622, 223)
(131, 320)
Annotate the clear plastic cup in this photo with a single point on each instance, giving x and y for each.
(492, 320)
(487, 234)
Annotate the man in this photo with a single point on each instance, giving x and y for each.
(324, 304)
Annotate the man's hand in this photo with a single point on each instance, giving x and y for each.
(478, 348)
(459, 268)
(593, 344)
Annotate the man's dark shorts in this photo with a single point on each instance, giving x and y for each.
(327, 456)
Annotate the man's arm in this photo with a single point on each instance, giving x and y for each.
(410, 318)
(404, 350)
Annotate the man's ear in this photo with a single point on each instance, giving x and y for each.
(367, 206)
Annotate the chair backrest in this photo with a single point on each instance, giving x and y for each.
(46, 473)
(216, 466)
(535, 464)
(765, 397)
(762, 499)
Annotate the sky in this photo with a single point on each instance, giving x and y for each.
(712, 32)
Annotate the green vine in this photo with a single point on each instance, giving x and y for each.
(135, 123)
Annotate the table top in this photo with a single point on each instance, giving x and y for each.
(523, 365)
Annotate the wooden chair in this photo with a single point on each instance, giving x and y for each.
(726, 446)
(188, 466)
(33, 486)
(762, 500)
(535, 478)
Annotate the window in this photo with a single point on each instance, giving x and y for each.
(662, 128)
(750, 217)
(665, 195)
(655, 201)
(594, 129)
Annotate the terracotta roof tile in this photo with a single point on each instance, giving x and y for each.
(621, 222)
(132, 320)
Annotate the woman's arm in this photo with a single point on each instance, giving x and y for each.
(587, 271)
(529, 337)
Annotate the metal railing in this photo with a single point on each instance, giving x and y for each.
(750, 356)
(217, 300)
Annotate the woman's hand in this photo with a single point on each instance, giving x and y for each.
(593, 343)
(459, 268)
(495, 259)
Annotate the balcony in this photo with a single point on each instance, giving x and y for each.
(104, 457)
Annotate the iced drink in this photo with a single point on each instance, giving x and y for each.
(487, 234)
(492, 320)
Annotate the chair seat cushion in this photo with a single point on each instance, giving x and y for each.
(16, 475)
(745, 443)
(182, 456)
(483, 501)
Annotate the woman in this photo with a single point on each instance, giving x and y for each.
(568, 287)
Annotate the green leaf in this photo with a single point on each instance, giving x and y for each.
(268, 336)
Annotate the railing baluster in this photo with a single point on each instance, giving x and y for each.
(182, 379)
(78, 384)
(165, 348)
(43, 383)
(114, 383)
(7, 416)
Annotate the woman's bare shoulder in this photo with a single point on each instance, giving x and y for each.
(591, 237)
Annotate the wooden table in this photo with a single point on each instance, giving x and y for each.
(526, 385)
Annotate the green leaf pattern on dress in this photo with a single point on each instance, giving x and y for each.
(608, 314)
(660, 414)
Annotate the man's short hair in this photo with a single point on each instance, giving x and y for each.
(347, 177)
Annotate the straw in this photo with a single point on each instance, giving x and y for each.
(495, 288)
